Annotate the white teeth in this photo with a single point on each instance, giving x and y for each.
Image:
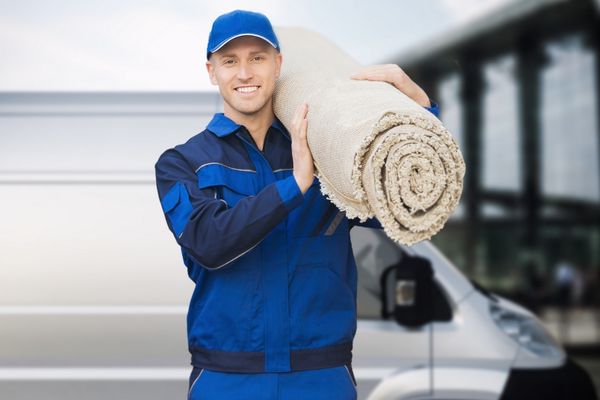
(247, 89)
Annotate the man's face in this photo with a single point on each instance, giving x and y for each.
(245, 69)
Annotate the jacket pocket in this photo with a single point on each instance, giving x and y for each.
(177, 206)
(322, 307)
(230, 184)
(231, 299)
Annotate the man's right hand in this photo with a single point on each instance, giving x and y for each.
(302, 158)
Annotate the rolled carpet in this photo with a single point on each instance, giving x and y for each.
(376, 151)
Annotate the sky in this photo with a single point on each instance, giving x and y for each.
(135, 45)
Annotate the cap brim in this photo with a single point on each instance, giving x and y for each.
(236, 36)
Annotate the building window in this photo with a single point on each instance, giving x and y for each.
(451, 107)
(450, 115)
(501, 155)
(569, 140)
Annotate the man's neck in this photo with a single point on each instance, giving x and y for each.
(257, 124)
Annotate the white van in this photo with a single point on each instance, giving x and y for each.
(426, 332)
(94, 294)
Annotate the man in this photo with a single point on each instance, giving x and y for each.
(273, 313)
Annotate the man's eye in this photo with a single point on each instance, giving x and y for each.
(258, 58)
(228, 62)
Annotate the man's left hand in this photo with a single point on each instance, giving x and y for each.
(393, 74)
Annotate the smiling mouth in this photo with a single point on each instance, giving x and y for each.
(247, 89)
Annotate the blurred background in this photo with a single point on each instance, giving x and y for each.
(92, 286)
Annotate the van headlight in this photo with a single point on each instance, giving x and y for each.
(526, 331)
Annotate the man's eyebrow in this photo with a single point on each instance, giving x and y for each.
(234, 55)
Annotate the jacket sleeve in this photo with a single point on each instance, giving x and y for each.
(202, 224)
(374, 222)
(434, 109)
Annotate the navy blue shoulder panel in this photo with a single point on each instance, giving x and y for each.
(205, 147)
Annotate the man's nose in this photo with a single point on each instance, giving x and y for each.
(244, 71)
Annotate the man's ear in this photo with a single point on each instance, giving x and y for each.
(211, 73)
(279, 61)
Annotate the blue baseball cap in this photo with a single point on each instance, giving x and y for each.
(240, 23)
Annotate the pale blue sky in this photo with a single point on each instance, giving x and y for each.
(160, 45)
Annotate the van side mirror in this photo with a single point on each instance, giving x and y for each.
(407, 291)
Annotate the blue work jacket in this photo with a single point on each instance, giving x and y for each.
(274, 272)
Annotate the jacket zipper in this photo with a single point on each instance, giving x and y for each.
(258, 151)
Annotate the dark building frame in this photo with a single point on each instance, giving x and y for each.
(521, 28)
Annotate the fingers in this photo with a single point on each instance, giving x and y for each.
(299, 120)
(370, 76)
(304, 128)
(382, 72)
(297, 114)
(301, 155)
(304, 121)
(302, 110)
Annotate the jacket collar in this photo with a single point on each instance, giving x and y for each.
(221, 125)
